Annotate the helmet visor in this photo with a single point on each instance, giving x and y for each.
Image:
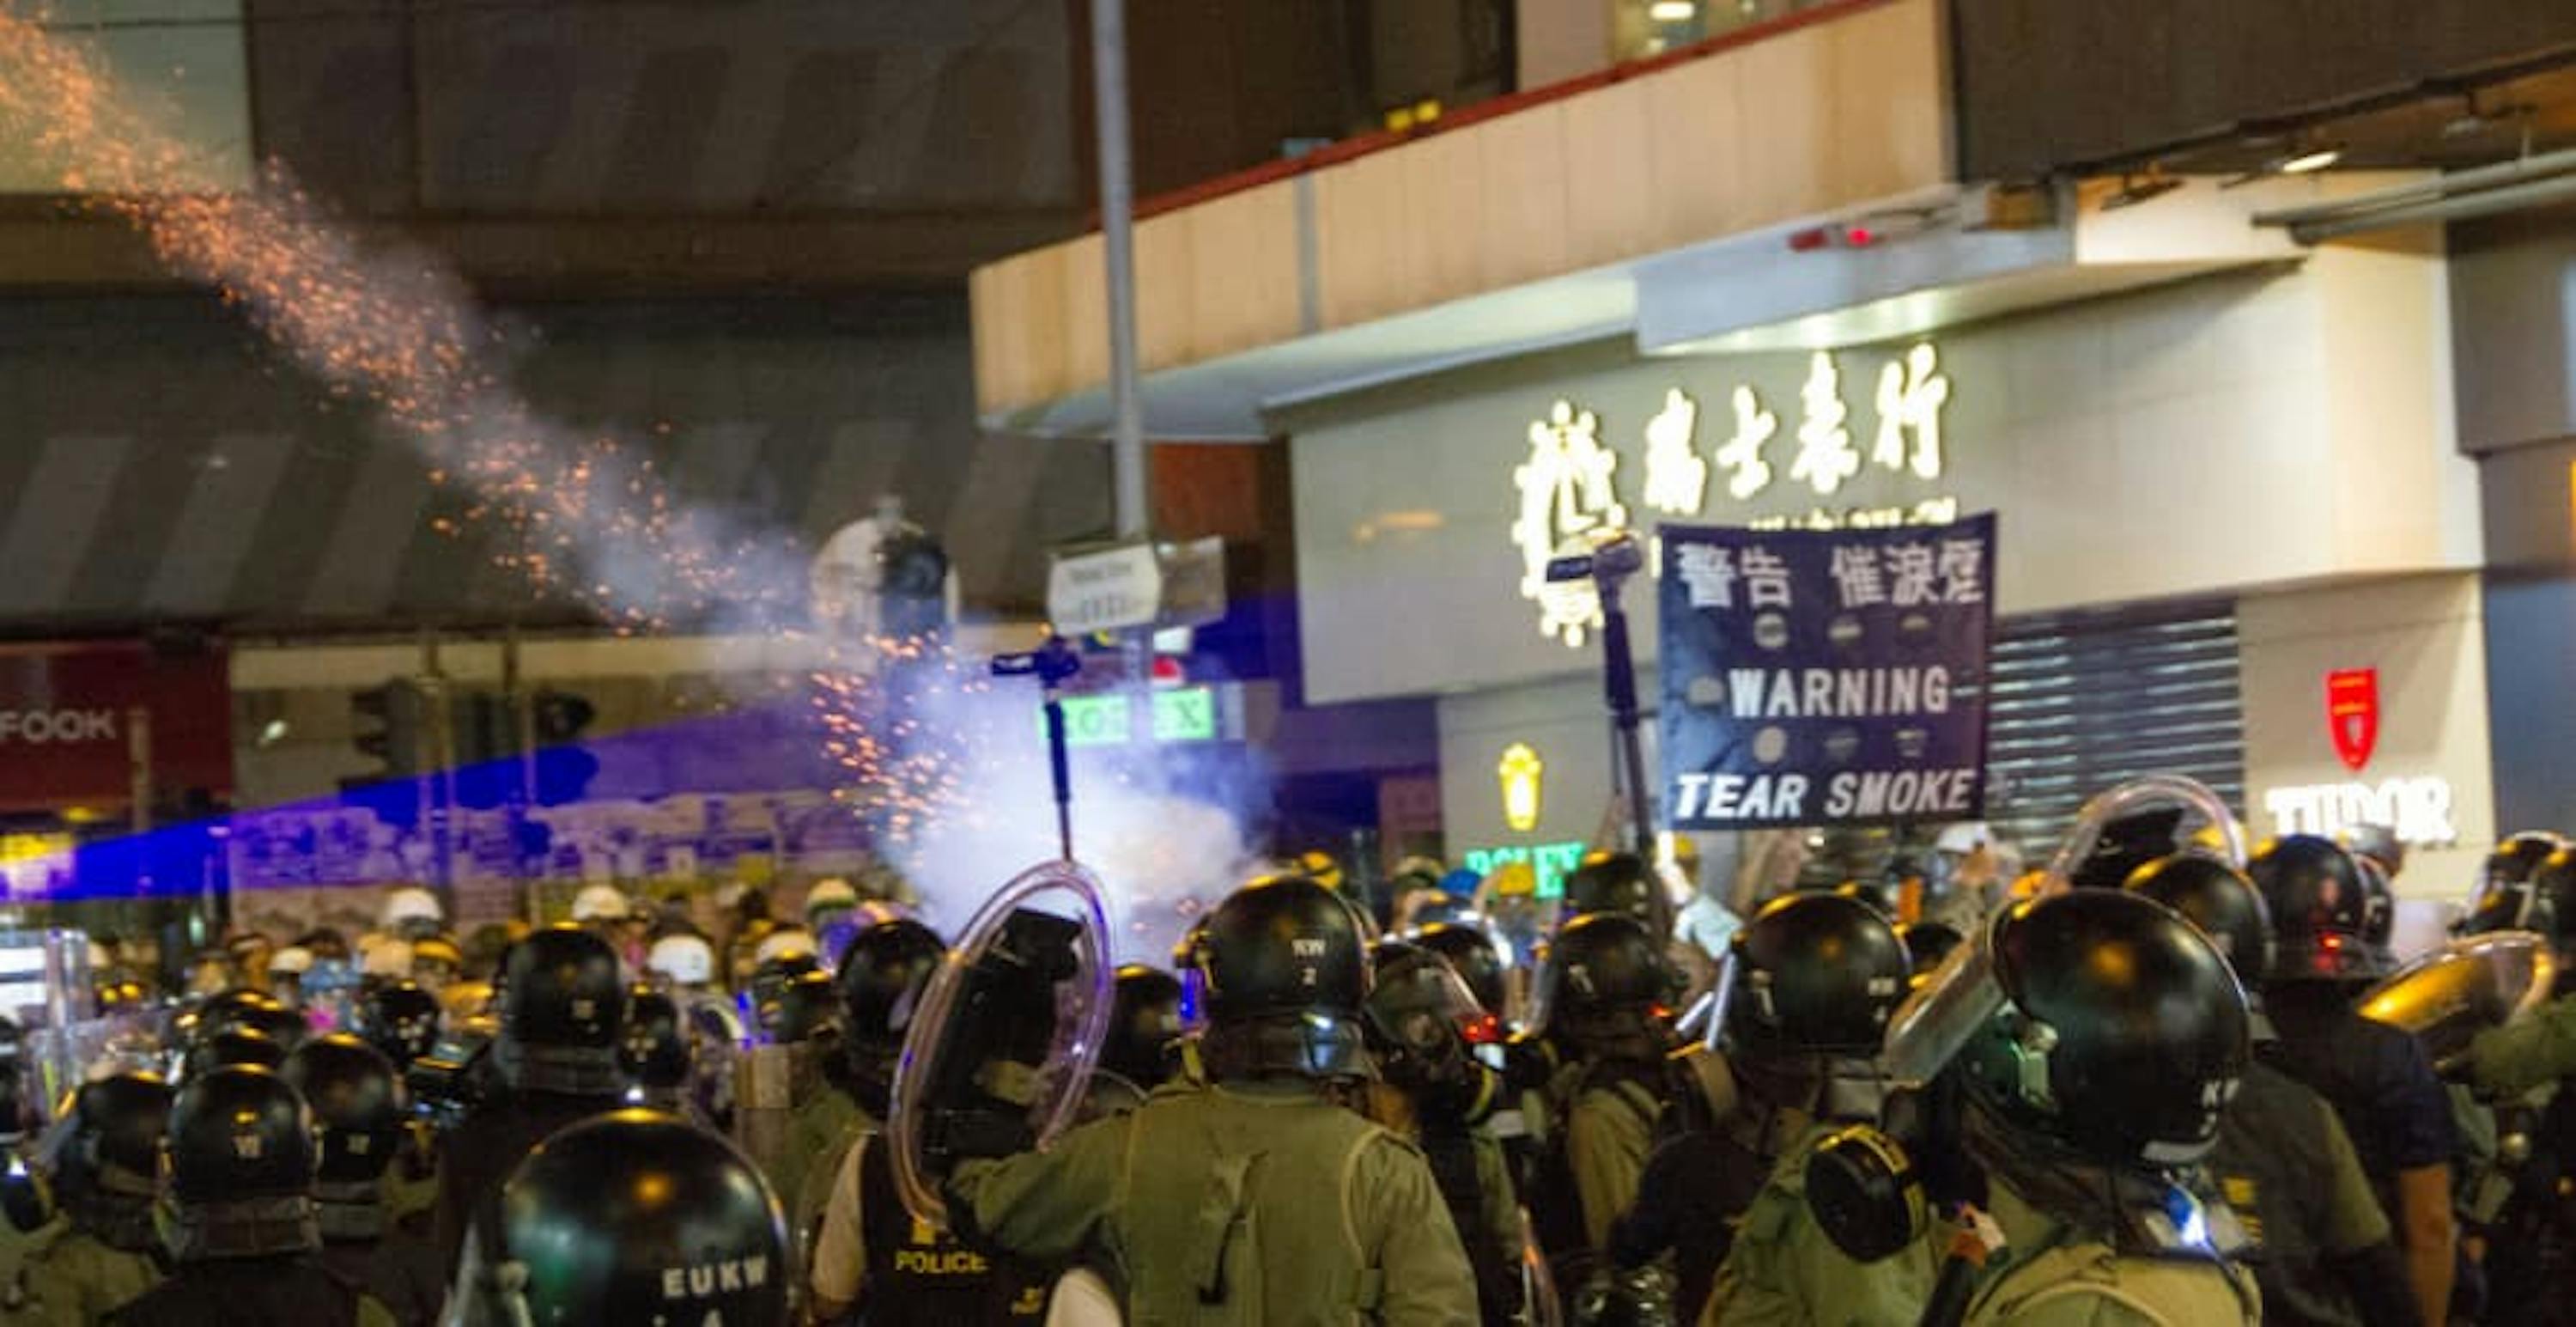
(2204, 822)
(1946, 1007)
(2447, 997)
(1419, 1005)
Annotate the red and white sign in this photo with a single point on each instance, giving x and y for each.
(2352, 714)
(68, 732)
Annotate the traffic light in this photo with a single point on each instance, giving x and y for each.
(487, 749)
(386, 725)
(564, 770)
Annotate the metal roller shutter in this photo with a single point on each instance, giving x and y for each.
(2084, 700)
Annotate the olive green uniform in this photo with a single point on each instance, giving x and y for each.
(1609, 1130)
(1782, 1269)
(71, 1278)
(2528, 1053)
(2052, 1276)
(1238, 1203)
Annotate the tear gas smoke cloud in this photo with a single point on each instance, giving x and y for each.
(588, 518)
(1168, 841)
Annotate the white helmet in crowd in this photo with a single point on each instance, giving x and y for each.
(832, 894)
(294, 960)
(783, 942)
(686, 960)
(410, 910)
(600, 903)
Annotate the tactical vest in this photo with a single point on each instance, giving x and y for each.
(1555, 1201)
(2273, 1169)
(1220, 1192)
(1451, 1151)
(2064, 1272)
(919, 1274)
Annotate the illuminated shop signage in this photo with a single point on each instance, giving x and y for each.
(2418, 809)
(1188, 714)
(1520, 770)
(1569, 485)
(1550, 863)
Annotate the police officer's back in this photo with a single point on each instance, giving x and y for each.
(1418, 1015)
(630, 1217)
(2379, 1079)
(1257, 1196)
(359, 1110)
(1602, 996)
(562, 1003)
(1814, 977)
(2318, 1243)
(101, 1250)
(241, 1171)
(2089, 1091)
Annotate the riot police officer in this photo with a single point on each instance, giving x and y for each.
(1257, 1196)
(1477, 960)
(2320, 1247)
(562, 1002)
(632, 1217)
(867, 1250)
(803, 1015)
(654, 1050)
(2089, 1089)
(1813, 978)
(241, 1167)
(1418, 1017)
(1144, 1021)
(2526, 1066)
(360, 1116)
(2379, 1079)
(400, 1019)
(102, 1251)
(2541, 1049)
(1602, 999)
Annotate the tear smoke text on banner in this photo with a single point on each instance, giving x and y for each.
(1825, 677)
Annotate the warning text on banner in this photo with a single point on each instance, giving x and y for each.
(1825, 677)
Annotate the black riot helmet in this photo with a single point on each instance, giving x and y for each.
(231, 1008)
(114, 1144)
(1604, 975)
(1619, 882)
(1283, 945)
(2219, 900)
(631, 1217)
(401, 1019)
(2121, 1036)
(231, 1046)
(241, 1163)
(2517, 857)
(1814, 974)
(2543, 900)
(1420, 1016)
(880, 979)
(2125, 844)
(1285, 977)
(653, 1047)
(560, 987)
(280, 1024)
(240, 1132)
(801, 1008)
(1144, 1021)
(1473, 955)
(358, 1105)
(1927, 943)
(2315, 896)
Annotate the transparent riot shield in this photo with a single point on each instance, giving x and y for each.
(1003, 1042)
(2449, 996)
(1960, 994)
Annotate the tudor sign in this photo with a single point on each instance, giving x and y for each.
(2418, 809)
(68, 733)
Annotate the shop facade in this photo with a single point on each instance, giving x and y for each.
(2237, 539)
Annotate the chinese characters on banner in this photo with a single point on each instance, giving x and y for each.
(1825, 677)
(1569, 485)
